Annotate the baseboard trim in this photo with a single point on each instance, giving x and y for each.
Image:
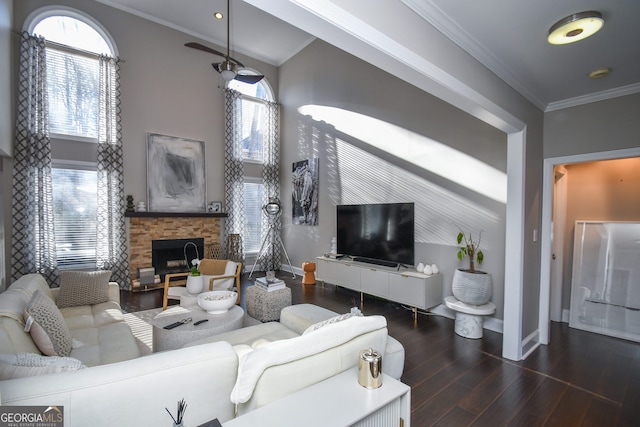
(530, 343)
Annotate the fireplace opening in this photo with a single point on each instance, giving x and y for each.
(167, 256)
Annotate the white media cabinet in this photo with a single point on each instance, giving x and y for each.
(405, 286)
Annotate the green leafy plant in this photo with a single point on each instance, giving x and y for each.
(470, 248)
(194, 269)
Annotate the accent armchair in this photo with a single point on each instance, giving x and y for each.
(219, 274)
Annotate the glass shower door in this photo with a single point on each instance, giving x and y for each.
(605, 288)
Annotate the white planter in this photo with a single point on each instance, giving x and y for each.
(195, 284)
(472, 288)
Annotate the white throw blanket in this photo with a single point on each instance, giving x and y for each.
(254, 363)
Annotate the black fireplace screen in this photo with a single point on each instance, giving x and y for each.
(167, 256)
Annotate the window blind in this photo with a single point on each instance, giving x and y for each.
(252, 216)
(72, 88)
(75, 216)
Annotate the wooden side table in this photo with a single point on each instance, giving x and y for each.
(266, 306)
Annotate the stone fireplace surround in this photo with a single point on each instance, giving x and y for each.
(144, 227)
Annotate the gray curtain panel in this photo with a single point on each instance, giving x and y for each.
(111, 240)
(234, 166)
(33, 242)
(271, 179)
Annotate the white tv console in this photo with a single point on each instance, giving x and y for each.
(405, 286)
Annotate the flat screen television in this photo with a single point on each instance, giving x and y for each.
(377, 232)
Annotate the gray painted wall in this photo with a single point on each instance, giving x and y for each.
(353, 171)
(166, 88)
(594, 189)
(600, 126)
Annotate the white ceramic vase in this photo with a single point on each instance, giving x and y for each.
(472, 288)
(195, 284)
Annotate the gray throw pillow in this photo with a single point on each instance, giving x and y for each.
(46, 325)
(83, 288)
(28, 364)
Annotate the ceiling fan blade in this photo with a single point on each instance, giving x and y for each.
(245, 78)
(204, 49)
(207, 49)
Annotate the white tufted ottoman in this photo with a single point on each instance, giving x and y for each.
(266, 306)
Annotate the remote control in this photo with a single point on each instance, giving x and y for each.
(200, 321)
(173, 325)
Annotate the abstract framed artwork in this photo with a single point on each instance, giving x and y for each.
(176, 180)
(305, 192)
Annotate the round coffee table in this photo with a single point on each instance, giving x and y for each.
(170, 339)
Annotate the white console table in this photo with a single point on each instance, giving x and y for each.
(337, 401)
(405, 286)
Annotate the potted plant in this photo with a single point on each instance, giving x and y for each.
(195, 282)
(471, 286)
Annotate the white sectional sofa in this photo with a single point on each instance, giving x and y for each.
(242, 369)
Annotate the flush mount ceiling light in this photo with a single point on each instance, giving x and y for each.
(575, 27)
(599, 73)
(218, 15)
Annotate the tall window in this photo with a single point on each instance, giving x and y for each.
(253, 117)
(74, 42)
(254, 137)
(72, 76)
(253, 216)
(74, 209)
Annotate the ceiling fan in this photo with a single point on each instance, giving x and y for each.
(227, 68)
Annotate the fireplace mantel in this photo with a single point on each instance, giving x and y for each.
(175, 214)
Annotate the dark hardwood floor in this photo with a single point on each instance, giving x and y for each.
(579, 379)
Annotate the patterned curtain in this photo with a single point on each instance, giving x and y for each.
(234, 166)
(111, 243)
(271, 182)
(33, 241)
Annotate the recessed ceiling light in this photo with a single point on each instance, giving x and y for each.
(599, 73)
(575, 27)
(218, 15)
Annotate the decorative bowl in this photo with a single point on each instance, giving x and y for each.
(217, 302)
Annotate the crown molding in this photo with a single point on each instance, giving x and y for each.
(447, 26)
(593, 97)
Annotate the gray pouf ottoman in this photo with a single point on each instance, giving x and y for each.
(266, 306)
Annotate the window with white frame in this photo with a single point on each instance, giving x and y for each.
(253, 126)
(253, 116)
(74, 41)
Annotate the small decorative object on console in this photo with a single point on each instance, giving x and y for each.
(370, 369)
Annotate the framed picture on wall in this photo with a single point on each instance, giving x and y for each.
(176, 180)
(305, 192)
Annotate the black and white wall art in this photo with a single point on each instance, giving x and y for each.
(305, 192)
(176, 180)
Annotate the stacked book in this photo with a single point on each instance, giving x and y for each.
(270, 284)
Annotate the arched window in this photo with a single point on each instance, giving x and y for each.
(74, 41)
(253, 115)
(255, 124)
